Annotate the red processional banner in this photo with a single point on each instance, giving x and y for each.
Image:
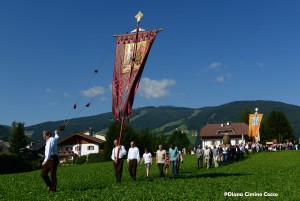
(131, 55)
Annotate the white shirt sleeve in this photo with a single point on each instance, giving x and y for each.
(123, 151)
(128, 156)
(138, 155)
(47, 150)
(113, 154)
(56, 137)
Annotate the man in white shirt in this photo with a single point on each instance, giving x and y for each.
(133, 159)
(51, 161)
(118, 160)
(207, 156)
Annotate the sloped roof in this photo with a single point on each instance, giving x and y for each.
(4, 147)
(38, 146)
(213, 130)
(79, 138)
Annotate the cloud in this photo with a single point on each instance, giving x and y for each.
(53, 104)
(110, 87)
(260, 65)
(67, 95)
(229, 76)
(92, 92)
(223, 78)
(104, 98)
(155, 88)
(216, 66)
(49, 90)
(220, 68)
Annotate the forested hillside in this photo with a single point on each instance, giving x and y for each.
(4, 130)
(165, 119)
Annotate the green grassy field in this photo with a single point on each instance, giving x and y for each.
(272, 172)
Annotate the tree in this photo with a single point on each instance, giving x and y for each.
(113, 133)
(244, 116)
(198, 141)
(276, 126)
(163, 140)
(17, 138)
(147, 140)
(179, 138)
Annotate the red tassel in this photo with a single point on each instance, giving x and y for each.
(88, 104)
(62, 127)
(74, 106)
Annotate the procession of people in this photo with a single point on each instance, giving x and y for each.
(207, 156)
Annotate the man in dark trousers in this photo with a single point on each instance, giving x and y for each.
(133, 159)
(200, 154)
(51, 161)
(118, 160)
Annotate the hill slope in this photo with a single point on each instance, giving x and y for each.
(165, 119)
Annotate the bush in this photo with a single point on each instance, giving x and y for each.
(37, 164)
(68, 162)
(80, 160)
(11, 163)
(96, 157)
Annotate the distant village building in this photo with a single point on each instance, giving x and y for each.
(4, 147)
(39, 147)
(212, 134)
(79, 144)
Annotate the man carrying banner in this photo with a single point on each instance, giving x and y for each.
(118, 160)
(51, 161)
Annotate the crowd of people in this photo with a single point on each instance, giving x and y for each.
(164, 160)
(257, 147)
(219, 155)
(215, 156)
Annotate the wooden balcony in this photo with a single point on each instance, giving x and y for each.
(66, 153)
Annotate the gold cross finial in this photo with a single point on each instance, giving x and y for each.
(139, 16)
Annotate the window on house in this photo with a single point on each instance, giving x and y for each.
(68, 148)
(77, 148)
(90, 147)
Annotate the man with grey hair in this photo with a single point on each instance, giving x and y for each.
(160, 160)
(117, 155)
(133, 159)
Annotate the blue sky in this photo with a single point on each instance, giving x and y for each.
(210, 53)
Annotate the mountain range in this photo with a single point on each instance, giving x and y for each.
(165, 119)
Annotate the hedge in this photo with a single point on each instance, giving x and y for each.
(94, 158)
(11, 163)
